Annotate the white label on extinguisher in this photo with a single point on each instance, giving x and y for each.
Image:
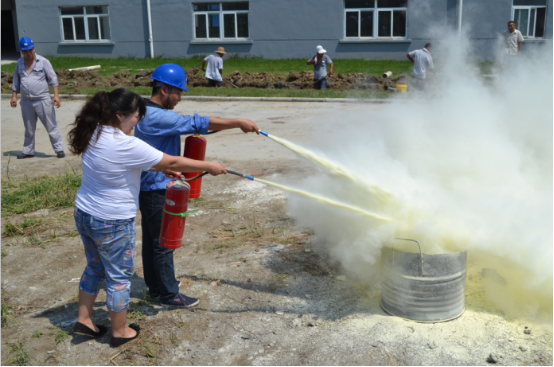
(170, 202)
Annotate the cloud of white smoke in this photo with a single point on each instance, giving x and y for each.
(468, 165)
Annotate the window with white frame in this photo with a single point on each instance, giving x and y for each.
(530, 17)
(375, 18)
(85, 23)
(227, 20)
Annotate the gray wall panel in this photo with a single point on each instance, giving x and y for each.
(486, 19)
(426, 18)
(296, 20)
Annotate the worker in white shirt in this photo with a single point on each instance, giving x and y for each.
(421, 60)
(513, 40)
(214, 70)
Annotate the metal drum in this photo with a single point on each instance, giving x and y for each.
(424, 288)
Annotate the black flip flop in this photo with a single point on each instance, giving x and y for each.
(81, 329)
(116, 342)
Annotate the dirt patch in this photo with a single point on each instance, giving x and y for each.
(73, 81)
(269, 295)
(7, 80)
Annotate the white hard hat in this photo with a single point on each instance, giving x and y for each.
(320, 50)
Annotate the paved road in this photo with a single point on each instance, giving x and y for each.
(293, 121)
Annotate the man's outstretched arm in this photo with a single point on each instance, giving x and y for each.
(247, 126)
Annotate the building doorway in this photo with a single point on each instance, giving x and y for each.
(9, 35)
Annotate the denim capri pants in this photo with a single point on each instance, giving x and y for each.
(110, 251)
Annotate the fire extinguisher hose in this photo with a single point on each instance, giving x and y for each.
(193, 178)
(205, 173)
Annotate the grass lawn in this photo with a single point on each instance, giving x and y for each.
(280, 67)
(252, 65)
(45, 192)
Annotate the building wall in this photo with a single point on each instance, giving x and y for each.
(278, 28)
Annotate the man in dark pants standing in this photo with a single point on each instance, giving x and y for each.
(214, 70)
(162, 129)
(421, 60)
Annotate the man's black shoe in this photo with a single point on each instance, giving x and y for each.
(23, 156)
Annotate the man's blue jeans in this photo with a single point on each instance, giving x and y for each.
(322, 84)
(157, 261)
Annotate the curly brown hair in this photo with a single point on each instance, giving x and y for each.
(101, 110)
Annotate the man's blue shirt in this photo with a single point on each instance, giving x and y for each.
(162, 129)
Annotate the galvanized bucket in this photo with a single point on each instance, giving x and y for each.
(424, 288)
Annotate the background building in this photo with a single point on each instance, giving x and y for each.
(371, 29)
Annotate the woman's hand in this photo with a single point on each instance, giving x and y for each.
(171, 174)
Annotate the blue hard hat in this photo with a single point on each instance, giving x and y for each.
(25, 43)
(171, 74)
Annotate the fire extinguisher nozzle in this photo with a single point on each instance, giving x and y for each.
(264, 133)
(241, 175)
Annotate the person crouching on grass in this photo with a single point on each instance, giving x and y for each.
(107, 202)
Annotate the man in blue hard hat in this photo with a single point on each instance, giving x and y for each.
(162, 129)
(32, 76)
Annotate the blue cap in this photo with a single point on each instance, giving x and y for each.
(25, 43)
(171, 74)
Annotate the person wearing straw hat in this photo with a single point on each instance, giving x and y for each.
(214, 71)
(320, 61)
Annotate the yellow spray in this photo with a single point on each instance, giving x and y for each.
(334, 169)
(324, 200)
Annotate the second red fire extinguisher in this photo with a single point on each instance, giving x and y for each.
(195, 148)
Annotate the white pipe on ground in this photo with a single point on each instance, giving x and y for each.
(150, 37)
(387, 74)
(86, 68)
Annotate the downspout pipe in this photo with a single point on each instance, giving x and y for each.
(460, 6)
(150, 37)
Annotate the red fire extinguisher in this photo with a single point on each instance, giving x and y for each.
(195, 148)
(175, 212)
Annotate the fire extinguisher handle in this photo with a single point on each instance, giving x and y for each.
(195, 177)
(212, 132)
(184, 214)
